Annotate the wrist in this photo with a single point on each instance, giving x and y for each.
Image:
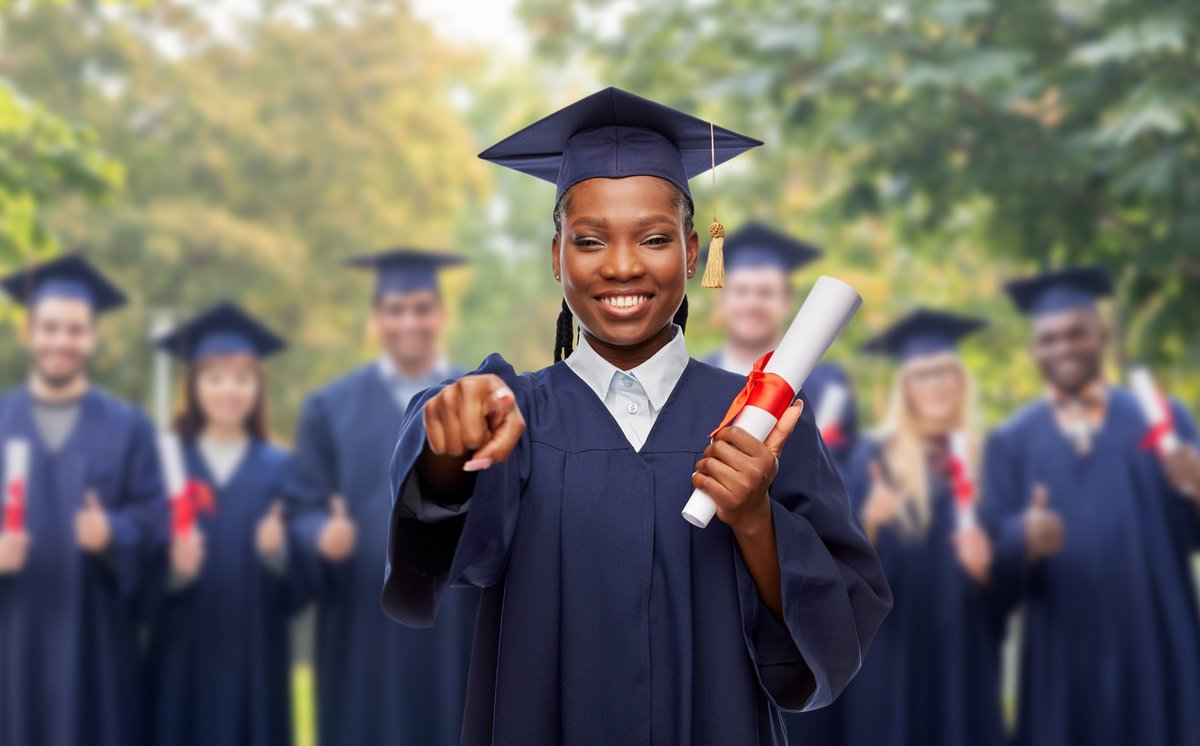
(755, 523)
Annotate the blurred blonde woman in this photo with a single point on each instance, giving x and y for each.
(931, 678)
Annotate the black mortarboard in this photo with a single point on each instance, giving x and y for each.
(70, 276)
(1051, 292)
(923, 332)
(404, 270)
(224, 329)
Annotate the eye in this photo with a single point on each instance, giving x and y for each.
(660, 240)
(587, 242)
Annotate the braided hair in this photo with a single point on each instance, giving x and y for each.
(564, 332)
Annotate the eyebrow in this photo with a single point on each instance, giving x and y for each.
(642, 222)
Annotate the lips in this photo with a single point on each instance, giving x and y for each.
(624, 304)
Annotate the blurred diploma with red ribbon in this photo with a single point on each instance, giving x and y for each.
(829, 414)
(1161, 436)
(187, 496)
(16, 483)
(776, 378)
(961, 480)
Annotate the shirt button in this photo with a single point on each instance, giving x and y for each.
(626, 381)
(632, 408)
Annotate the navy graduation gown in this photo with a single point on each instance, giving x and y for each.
(68, 620)
(219, 656)
(1111, 644)
(606, 618)
(377, 682)
(933, 675)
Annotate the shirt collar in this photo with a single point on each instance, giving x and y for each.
(390, 373)
(658, 375)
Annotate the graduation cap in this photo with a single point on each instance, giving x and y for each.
(224, 329)
(613, 134)
(72, 277)
(758, 245)
(1051, 292)
(923, 332)
(404, 270)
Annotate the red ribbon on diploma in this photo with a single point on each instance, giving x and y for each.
(964, 488)
(833, 436)
(196, 498)
(14, 507)
(1160, 429)
(767, 391)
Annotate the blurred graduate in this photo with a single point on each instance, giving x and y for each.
(932, 678)
(755, 307)
(219, 654)
(83, 512)
(1088, 523)
(376, 682)
(606, 617)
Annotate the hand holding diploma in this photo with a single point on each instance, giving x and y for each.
(772, 385)
(16, 484)
(962, 481)
(1180, 460)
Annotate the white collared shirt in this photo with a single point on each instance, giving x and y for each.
(404, 388)
(634, 397)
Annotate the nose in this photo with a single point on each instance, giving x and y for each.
(623, 262)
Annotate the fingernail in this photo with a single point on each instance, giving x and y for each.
(477, 464)
(502, 393)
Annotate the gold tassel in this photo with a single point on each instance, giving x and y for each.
(714, 268)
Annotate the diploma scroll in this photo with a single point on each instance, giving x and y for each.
(1161, 436)
(183, 493)
(16, 483)
(821, 318)
(829, 414)
(962, 481)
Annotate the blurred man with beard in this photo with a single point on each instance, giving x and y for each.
(1091, 533)
(377, 682)
(93, 510)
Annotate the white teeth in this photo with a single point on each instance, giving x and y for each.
(623, 301)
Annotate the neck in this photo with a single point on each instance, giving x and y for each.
(44, 390)
(631, 356)
(224, 432)
(740, 351)
(414, 367)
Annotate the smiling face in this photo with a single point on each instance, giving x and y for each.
(754, 305)
(624, 253)
(61, 334)
(227, 389)
(409, 325)
(935, 386)
(1069, 348)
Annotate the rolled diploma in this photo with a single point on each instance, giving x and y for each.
(1151, 404)
(965, 505)
(821, 318)
(832, 404)
(16, 481)
(171, 454)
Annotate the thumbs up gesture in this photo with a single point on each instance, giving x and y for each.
(338, 536)
(187, 555)
(883, 503)
(268, 538)
(14, 548)
(92, 529)
(1043, 527)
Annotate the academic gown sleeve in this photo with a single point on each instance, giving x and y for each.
(139, 522)
(311, 481)
(1002, 514)
(835, 593)
(471, 548)
(1188, 512)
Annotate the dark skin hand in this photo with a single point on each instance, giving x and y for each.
(623, 259)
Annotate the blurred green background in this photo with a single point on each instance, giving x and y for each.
(203, 150)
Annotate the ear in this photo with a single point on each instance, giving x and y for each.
(556, 257)
(692, 255)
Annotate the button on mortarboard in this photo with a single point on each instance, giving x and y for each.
(923, 332)
(71, 276)
(224, 329)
